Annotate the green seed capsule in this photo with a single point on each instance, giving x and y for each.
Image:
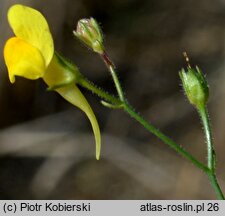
(89, 32)
(195, 86)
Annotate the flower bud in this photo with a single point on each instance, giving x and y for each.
(89, 32)
(195, 86)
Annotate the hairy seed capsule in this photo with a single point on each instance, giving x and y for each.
(89, 32)
(195, 86)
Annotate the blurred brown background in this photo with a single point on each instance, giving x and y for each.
(46, 145)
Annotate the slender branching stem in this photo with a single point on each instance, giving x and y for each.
(164, 138)
(211, 155)
(112, 70)
(208, 136)
(215, 185)
(122, 103)
(128, 109)
(98, 91)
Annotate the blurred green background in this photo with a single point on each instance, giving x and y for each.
(46, 145)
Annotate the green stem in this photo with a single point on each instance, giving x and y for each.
(122, 103)
(142, 121)
(117, 83)
(112, 70)
(96, 90)
(215, 185)
(127, 108)
(208, 135)
(164, 138)
(211, 155)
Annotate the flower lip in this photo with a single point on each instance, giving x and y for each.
(30, 25)
(23, 59)
(30, 52)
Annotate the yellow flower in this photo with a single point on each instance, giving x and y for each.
(30, 54)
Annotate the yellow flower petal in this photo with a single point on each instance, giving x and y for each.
(30, 25)
(22, 59)
(56, 75)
